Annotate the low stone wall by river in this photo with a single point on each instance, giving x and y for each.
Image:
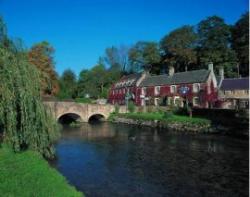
(176, 126)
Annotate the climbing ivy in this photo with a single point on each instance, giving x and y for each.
(23, 118)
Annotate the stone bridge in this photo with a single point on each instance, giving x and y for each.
(80, 111)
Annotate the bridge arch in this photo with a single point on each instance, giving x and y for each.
(67, 118)
(97, 117)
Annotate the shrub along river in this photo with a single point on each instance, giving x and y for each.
(109, 159)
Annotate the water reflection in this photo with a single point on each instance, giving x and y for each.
(121, 160)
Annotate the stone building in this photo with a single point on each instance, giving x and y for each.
(234, 93)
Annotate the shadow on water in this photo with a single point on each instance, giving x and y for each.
(107, 159)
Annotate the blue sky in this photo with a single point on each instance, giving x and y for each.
(80, 30)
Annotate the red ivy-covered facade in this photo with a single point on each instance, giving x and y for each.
(199, 94)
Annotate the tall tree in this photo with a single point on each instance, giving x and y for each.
(23, 118)
(68, 85)
(240, 43)
(143, 54)
(179, 48)
(117, 58)
(3, 31)
(41, 55)
(93, 82)
(214, 45)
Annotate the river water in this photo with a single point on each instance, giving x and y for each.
(108, 159)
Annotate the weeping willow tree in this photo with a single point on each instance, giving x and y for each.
(23, 118)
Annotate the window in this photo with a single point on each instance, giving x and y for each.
(124, 90)
(196, 101)
(173, 89)
(196, 87)
(177, 101)
(170, 101)
(156, 101)
(143, 91)
(157, 90)
(246, 91)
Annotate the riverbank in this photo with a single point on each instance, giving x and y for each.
(28, 174)
(164, 120)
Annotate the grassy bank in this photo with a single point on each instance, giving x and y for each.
(28, 174)
(165, 117)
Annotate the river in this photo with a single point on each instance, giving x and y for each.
(108, 159)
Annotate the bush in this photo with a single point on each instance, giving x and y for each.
(167, 114)
(181, 111)
(83, 100)
(117, 108)
(131, 107)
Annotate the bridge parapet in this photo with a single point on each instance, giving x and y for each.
(84, 111)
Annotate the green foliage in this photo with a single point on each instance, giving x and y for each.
(166, 117)
(68, 85)
(131, 106)
(214, 45)
(96, 82)
(142, 54)
(28, 174)
(83, 100)
(117, 108)
(26, 124)
(179, 47)
(240, 43)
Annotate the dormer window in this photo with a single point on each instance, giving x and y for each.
(196, 87)
(157, 90)
(173, 88)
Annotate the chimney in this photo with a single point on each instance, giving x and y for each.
(171, 70)
(221, 72)
(211, 66)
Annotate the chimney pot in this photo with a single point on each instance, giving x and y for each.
(221, 72)
(211, 66)
(171, 71)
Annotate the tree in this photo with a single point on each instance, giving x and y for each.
(97, 81)
(214, 45)
(23, 118)
(116, 58)
(240, 43)
(143, 54)
(41, 56)
(68, 85)
(179, 48)
(92, 82)
(3, 32)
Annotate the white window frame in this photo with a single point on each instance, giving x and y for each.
(144, 91)
(157, 90)
(198, 86)
(156, 101)
(173, 90)
(194, 98)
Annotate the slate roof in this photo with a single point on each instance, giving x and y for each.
(235, 84)
(128, 80)
(195, 76)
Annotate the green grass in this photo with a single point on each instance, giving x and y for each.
(83, 100)
(168, 118)
(28, 174)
